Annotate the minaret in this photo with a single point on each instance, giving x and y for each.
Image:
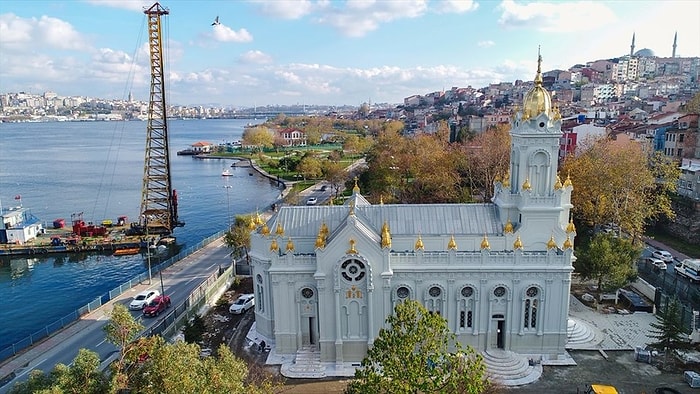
(632, 46)
(675, 40)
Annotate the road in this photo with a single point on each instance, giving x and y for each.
(178, 282)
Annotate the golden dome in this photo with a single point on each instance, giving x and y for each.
(526, 184)
(551, 244)
(508, 229)
(320, 241)
(558, 185)
(537, 100)
(485, 243)
(290, 245)
(265, 230)
(567, 243)
(568, 182)
(273, 245)
(280, 230)
(419, 244)
(452, 245)
(518, 244)
(571, 228)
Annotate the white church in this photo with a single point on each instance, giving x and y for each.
(326, 277)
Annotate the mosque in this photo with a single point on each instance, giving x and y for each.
(326, 277)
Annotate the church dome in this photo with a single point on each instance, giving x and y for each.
(537, 100)
(646, 52)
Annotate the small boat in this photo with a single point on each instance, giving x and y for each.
(126, 251)
(226, 172)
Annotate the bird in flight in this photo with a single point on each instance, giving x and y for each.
(216, 21)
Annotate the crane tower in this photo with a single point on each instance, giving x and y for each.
(158, 199)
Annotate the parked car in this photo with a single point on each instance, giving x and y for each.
(143, 298)
(311, 201)
(662, 255)
(660, 264)
(158, 305)
(324, 188)
(242, 304)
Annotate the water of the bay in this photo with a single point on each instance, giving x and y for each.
(64, 168)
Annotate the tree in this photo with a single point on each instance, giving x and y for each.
(609, 260)
(194, 329)
(692, 106)
(238, 238)
(121, 331)
(413, 356)
(668, 331)
(259, 137)
(488, 157)
(335, 174)
(310, 167)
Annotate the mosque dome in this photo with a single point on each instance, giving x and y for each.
(646, 52)
(537, 100)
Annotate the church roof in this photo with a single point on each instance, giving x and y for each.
(403, 220)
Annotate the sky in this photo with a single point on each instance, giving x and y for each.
(321, 52)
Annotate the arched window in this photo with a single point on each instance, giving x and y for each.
(466, 308)
(260, 302)
(434, 299)
(531, 305)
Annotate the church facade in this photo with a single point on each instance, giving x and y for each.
(326, 277)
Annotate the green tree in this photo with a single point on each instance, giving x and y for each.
(194, 329)
(82, 376)
(418, 354)
(259, 137)
(121, 331)
(335, 174)
(238, 238)
(310, 167)
(609, 260)
(668, 332)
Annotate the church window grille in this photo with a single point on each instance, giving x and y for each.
(353, 270)
(260, 302)
(531, 306)
(499, 291)
(402, 292)
(434, 291)
(467, 291)
(433, 300)
(307, 293)
(466, 305)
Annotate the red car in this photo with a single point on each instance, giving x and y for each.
(158, 305)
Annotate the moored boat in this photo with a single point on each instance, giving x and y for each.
(226, 172)
(126, 251)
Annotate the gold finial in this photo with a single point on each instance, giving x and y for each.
(497, 178)
(506, 180)
(551, 244)
(324, 230)
(452, 245)
(251, 223)
(558, 185)
(290, 245)
(381, 200)
(352, 249)
(518, 244)
(386, 236)
(568, 182)
(356, 189)
(567, 243)
(571, 228)
(273, 245)
(557, 114)
(258, 219)
(508, 229)
(320, 241)
(538, 77)
(265, 230)
(352, 208)
(485, 243)
(280, 230)
(526, 184)
(419, 243)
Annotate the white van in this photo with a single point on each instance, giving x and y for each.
(690, 268)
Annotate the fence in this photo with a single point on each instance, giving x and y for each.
(59, 324)
(669, 285)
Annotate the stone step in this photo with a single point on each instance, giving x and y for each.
(510, 369)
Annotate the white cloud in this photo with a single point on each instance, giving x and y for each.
(26, 34)
(456, 6)
(134, 5)
(556, 17)
(255, 57)
(485, 44)
(224, 33)
(285, 9)
(359, 17)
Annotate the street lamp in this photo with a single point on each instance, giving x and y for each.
(148, 250)
(228, 214)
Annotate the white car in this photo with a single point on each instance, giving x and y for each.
(660, 264)
(242, 304)
(311, 201)
(662, 255)
(142, 299)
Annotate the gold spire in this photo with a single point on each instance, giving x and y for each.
(273, 245)
(551, 244)
(381, 200)
(518, 244)
(571, 228)
(386, 236)
(324, 230)
(251, 223)
(265, 230)
(452, 245)
(567, 182)
(537, 100)
(485, 243)
(258, 219)
(290, 245)
(508, 229)
(352, 249)
(280, 230)
(356, 189)
(526, 184)
(558, 185)
(419, 243)
(506, 179)
(320, 240)
(567, 243)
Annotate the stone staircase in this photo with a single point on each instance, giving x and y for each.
(307, 364)
(510, 369)
(580, 335)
